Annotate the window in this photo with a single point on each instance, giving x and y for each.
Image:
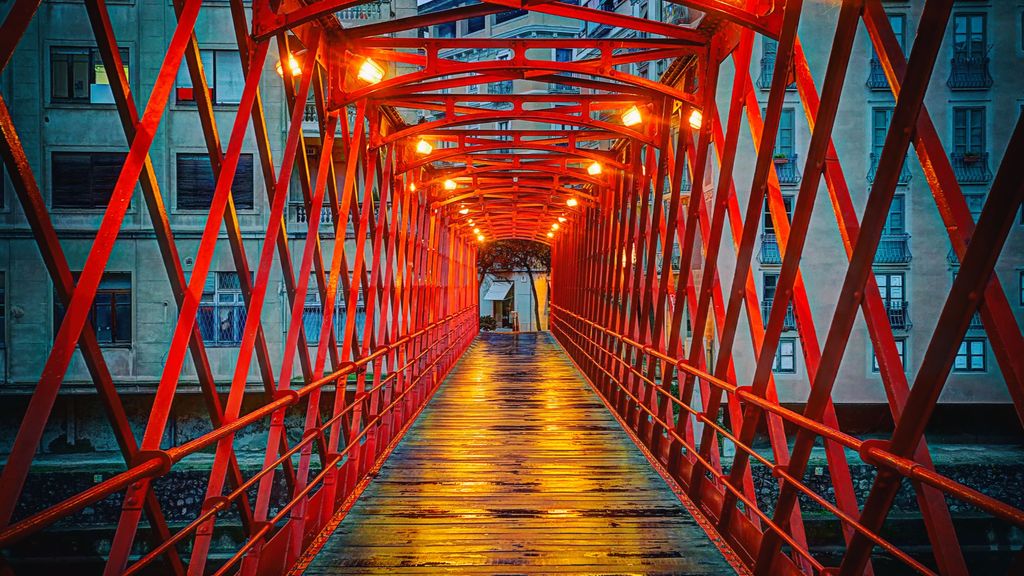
(475, 24)
(769, 50)
(787, 128)
(111, 313)
(969, 35)
(222, 311)
(196, 183)
(312, 314)
(445, 30)
(78, 75)
(84, 180)
(970, 357)
(769, 224)
(891, 287)
(880, 120)
(785, 357)
(224, 77)
(901, 349)
(968, 130)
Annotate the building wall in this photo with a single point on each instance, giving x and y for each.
(929, 273)
(47, 125)
(522, 298)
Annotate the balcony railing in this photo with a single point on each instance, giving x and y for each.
(300, 216)
(770, 253)
(893, 249)
(764, 79)
(221, 324)
(904, 170)
(971, 167)
(564, 89)
(368, 11)
(786, 170)
(899, 314)
(969, 72)
(789, 323)
(876, 76)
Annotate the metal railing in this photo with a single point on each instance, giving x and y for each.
(368, 11)
(638, 399)
(873, 169)
(786, 169)
(969, 72)
(876, 75)
(764, 79)
(971, 167)
(899, 314)
(788, 324)
(770, 253)
(893, 249)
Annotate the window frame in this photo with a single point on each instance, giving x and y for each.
(94, 59)
(780, 356)
(968, 48)
(210, 73)
(971, 121)
(969, 356)
(92, 154)
(901, 350)
(203, 156)
(111, 276)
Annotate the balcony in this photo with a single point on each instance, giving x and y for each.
(971, 167)
(876, 76)
(770, 253)
(300, 216)
(788, 324)
(309, 119)
(786, 170)
(899, 314)
(368, 11)
(764, 79)
(904, 170)
(893, 249)
(969, 72)
(564, 89)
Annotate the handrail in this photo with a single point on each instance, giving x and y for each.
(871, 453)
(158, 463)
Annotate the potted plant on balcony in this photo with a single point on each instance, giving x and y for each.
(780, 158)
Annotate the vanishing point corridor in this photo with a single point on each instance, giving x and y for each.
(516, 466)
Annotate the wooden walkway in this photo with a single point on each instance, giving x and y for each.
(516, 467)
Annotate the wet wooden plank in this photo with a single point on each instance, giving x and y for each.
(516, 467)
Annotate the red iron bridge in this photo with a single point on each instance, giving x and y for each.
(581, 450)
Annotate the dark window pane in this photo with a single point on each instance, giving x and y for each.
(84, 179)
(196, 183)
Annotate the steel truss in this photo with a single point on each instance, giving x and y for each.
(617, 307)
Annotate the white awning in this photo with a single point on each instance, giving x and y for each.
(498, 291)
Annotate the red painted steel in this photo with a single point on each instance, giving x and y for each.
(621, 311)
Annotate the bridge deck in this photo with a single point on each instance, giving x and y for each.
(517, 467)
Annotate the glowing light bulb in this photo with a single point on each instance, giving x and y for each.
(554, 226)
(423, 147)
(594, 169)
(480, 237)
(476, 230)
(632, 116)
(696, 119)
(561, 219)
(470, 221)
(571, 202)
(551, 234)
(464, 211)
(450, 185)
(371, 72)
(412, 187)
(293, 66)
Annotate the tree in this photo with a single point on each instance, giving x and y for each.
(515, 256)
